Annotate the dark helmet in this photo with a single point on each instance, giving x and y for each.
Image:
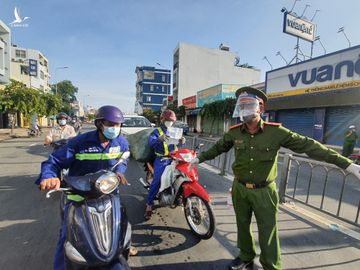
(168, 115)
(61, 115)
(110, 113)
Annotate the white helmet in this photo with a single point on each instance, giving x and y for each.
(352, 127)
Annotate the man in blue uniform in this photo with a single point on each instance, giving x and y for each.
(158, 141)
(86, 153)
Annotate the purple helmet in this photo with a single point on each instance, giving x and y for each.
(110, 113)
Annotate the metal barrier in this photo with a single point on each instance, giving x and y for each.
(330, 184)
(293, 184)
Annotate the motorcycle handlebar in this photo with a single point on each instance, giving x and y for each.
(48, 194)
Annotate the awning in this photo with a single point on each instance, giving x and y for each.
(193, 111)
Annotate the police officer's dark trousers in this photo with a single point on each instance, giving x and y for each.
(263, 202)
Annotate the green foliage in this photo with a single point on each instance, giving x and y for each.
(179, 111)
(152, 116)
(16, 97)
(66, 91)
(219, 108)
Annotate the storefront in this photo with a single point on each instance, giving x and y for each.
(320, 97)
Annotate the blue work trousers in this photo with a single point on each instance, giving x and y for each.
(159, 167)
(59, 260)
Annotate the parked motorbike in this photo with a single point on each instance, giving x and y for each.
(98, 232)
(180, 187)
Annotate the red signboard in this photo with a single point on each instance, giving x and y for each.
(189, 102)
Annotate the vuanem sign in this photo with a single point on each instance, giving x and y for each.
(336, 71)
(298, 27)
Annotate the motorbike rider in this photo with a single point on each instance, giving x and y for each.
(158, 141)
(61, 131)
(83, 154)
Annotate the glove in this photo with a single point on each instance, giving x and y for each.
(354, 169)
(122, 179)
(163, 138)
(182, 140)
(193, 162)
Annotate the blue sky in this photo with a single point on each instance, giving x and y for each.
(102, 41)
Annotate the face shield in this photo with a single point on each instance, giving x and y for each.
(247, 108)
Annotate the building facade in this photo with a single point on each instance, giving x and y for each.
(320, 97)
(196, 68)
(5, 53)
(30, 67)
(152, 86)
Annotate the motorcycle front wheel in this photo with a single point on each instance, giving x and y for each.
(199, 216)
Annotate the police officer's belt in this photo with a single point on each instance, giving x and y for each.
(253, 185)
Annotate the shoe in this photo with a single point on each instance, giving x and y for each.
(238, 264)
(148, 212)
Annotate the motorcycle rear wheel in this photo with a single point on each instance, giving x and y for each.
(202, 219)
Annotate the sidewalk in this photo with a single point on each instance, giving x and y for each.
(18, 133)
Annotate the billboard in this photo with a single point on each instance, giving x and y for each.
(336, 71)
(189, 102)
(33, 68)
(209, 95)
(298, 27)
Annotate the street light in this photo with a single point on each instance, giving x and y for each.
(342, 30)
(55, 77)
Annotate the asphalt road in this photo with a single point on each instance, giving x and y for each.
(29, 224)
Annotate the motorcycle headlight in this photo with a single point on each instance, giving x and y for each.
(107, 183)
(187, 157)
(73, 254)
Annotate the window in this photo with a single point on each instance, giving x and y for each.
(42, 76)
(2, 61)
(148, 99)
(24, 70)
(20, 53)
(163, 78)
(151, 88)
(163, 88)
(148, 75)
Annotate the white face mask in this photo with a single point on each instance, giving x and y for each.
(168, 124)
(62, 122)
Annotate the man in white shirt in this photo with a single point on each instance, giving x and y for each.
(60, 131)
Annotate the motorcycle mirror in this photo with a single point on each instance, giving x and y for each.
(123, 157)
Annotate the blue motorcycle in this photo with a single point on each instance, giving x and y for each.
(98, 232)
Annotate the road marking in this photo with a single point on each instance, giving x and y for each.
(33, 144)
(331, 224)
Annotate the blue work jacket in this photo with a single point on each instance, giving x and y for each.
(160, 148)
(84, 154)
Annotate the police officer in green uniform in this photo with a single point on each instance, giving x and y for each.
(254, 189)
(349, 141)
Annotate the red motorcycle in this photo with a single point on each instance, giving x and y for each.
(180, 187)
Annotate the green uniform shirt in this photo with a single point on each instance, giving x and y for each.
(351, 137)
(256, 155)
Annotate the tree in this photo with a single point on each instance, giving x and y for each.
(16, 97)
(179, 111)
(66, 90)
(152, 116)
(218, 109)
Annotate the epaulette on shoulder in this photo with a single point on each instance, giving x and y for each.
(235, 126)
(273, 124)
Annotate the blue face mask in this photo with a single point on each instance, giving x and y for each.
(111, 132)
